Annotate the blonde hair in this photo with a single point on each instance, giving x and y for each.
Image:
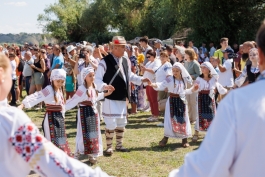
(191, 53)
(4, 61)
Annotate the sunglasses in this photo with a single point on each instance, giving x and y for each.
(43, 52)
(148, 56)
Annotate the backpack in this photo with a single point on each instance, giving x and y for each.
(21, 65)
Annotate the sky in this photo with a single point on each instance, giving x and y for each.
(21, 16)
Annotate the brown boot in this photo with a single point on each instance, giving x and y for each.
(185, 143)
(119, 136)
(163, 142)
(109, 136)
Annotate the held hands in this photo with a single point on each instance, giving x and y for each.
(108, 89)
(195, 87)
(147, 80)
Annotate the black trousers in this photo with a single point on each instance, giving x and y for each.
(13, 92)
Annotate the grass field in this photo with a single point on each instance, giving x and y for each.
(146, 157)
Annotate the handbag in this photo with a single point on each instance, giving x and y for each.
(162, 104)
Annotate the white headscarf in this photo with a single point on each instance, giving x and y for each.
(85, 72)
(184, 72)
(211, 69)
(58, 74)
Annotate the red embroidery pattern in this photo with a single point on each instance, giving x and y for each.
(79, 93)
(178, 127)
(27, 140)
(59, 164)
(45, 92)
(116, 42)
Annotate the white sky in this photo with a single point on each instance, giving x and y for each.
(21, 16)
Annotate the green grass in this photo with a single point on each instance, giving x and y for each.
(146, 157)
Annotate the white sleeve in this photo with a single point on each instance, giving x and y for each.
(227, 65)
(135, 79)
(163, 85)
(157, 64)
(241, 78)
(100, 96)
(78, 97)
(221, 89)
(168, 70)
(37, 97)
(101, 70)
(42, 156)
(217, 151)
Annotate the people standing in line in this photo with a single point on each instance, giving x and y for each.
(193, 68)
(115, 106)
(149, 72)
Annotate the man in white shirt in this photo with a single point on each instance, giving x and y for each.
(158, 45)
(234, 144)
(226, 78)
(27, 71)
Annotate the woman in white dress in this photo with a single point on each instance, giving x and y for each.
(23, 148)
(177, 123)
(208, 82)
(53, 124)
(88, 137)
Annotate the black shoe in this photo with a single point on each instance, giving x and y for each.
(13, 104)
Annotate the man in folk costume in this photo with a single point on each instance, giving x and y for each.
(115, 70)
(234, 145)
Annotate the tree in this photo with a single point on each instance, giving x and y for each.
(62, 19)
(213, 19)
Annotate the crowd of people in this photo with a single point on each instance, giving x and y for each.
(184, 84)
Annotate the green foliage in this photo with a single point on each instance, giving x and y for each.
(213, 19)
(208, 20)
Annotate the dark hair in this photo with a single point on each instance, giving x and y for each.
(144, 39)
(209, 75)
(191, 41)
(260, 38)
(151, 52)
(223, 39)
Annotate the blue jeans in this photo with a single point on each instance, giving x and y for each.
(27, 83)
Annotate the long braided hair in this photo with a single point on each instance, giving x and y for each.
(93, 84)
(54, 93)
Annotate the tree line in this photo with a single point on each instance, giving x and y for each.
(99, 20)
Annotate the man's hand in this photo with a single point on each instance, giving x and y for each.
(21, 106)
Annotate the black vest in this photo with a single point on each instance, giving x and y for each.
(251, 76)
(122, 89)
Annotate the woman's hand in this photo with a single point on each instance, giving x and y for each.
(195, 87)
(32, 66)
(143, 68)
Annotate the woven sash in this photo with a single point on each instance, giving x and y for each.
(174, 95)
(87, 103)
(53, 108)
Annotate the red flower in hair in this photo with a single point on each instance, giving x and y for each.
(116, 41)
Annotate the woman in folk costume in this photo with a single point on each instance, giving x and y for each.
(207, 82)
(88, 137)
(23, 148)
(251, 71)
(53, 124)
(177, 123)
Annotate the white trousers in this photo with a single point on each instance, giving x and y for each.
(113, 123)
